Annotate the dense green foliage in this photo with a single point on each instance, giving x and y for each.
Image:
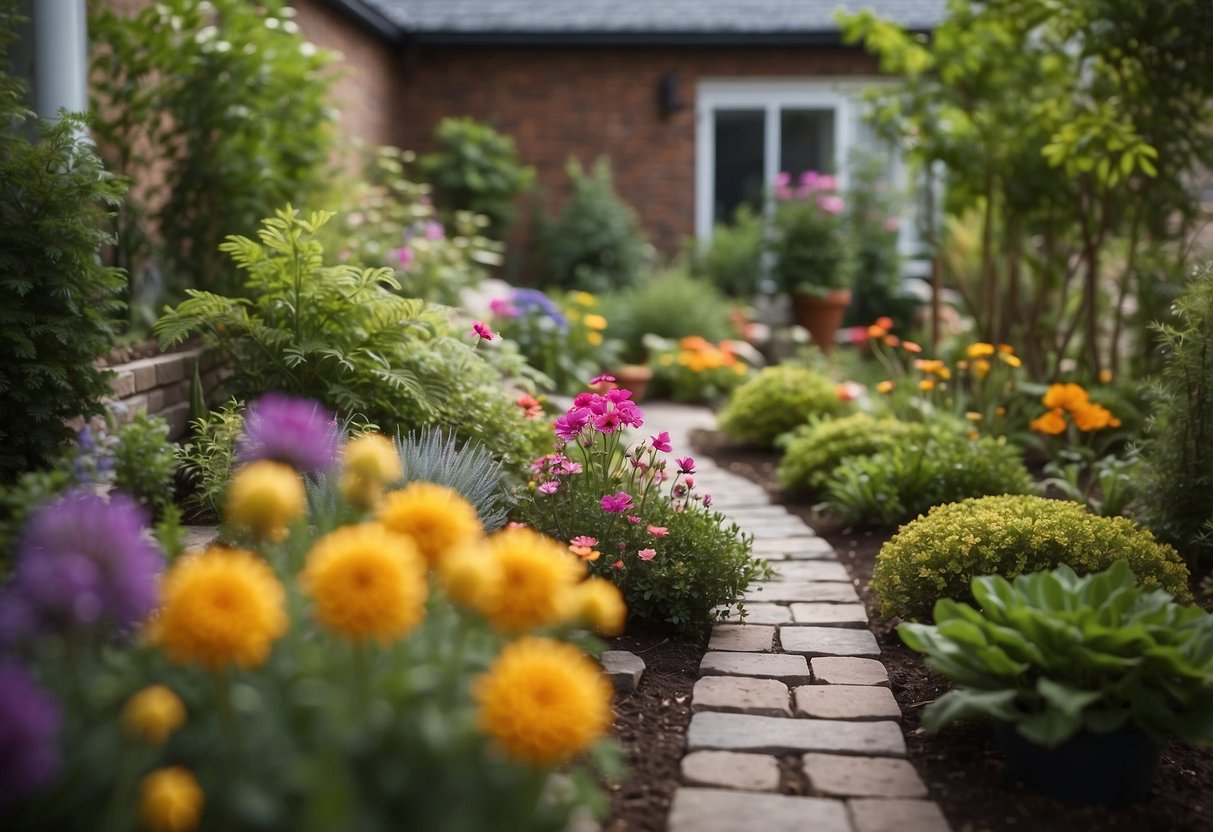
(596, 243)
(936, 556)
(230, 103)
(732, 259)
(811, 250)
(929, 465)
(476, 169)
(1054, 654)
(777, 400)
(58, 304)
(342, 335)
(671, 305)
(145, 462)
(207, 460)
(872, 221)
(813, 451)
(1176, 482)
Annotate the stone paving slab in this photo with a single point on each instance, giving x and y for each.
(812, 570)
(761, 613)
(731, 770)
(877, 815)
(846, 702)
(853, 616)
(743, 695)
(624, 669)
(845, 670)
(772, 532)
(722, 810)
(776, 735)
(833, 775)
(791, 592)
(793, 544)
(828, 641)
(743, 638)
(792, 670)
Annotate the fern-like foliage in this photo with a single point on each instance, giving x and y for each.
(58, 304)
(336, 333)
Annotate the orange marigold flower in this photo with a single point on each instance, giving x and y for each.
(1068, 396)
(885, 386)
(1094, 417)
(876, 331)
(884, 322)
(979, 350)
(926, 385)
(892, 341)
(910, 346)
(1105, 376)
(1052, 422)
(1006, 349)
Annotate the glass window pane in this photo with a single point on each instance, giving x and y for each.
(739, 161)
(806, 141)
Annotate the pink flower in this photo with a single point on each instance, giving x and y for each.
(629, 414)
(549, 487)
(405, 257)
(783, 179)
(661, 442)
(647, 554)
(707, 500)
(571, 424)
(638, 464)
(615, 503)
(502, 308)
(584, 399)
(434, 230)
(607, 422)
(658, 531)
(618, 564)
(514, 524)
(584, 540)
(482, 331)
(567, 466)
(634, 520)
(690, 481)
(891, 224)
(686, 465)
(618, 395)
(602, 379)
(831, 204)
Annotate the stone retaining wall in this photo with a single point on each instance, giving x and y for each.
(160, 386)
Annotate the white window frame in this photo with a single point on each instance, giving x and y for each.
(771, 95)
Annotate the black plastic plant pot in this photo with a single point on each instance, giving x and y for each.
(1106, 769)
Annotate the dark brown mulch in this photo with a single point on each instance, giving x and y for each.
(651, 724)
(962, 767)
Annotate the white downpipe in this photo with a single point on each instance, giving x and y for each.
(60, 57)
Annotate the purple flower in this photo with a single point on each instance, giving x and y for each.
(661, 442)
(299, 432)
(619, 502)
(434, 230)
(707, 500)
(82, 559)
(686, 465)
(29, 730)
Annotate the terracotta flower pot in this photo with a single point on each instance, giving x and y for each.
(634, 377)
(821, 316)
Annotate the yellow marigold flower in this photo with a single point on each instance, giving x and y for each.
(885, 386)
(1000, 411)
(436, 517)
(943, 371)
(264, 498)
(536, 574)
(876, 331)
(470, 575)
(372, 456)
(973, 416)
(1010, 359)
(366, 583)
(979, 350)
(595, 322)
(170, 800)
(594, 338)
(926, 385)
(1052, 423)
(598, 603)
(152, 715)
(584, 298)
(738, 369)
(1093, 417)
(221, 607)
(543, 701)
(1006, 349)
(1105, 376)
(973, 435)
(981, 368)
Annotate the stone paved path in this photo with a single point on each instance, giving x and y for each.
(801, 677)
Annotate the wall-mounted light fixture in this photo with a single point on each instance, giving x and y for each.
(668, 99)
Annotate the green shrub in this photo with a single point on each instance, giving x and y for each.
(596, 244)
(672, 305)
(231, 104)
(1176, 474)
(476, 169)
(19, 499)
(929, 465)
(872, 216)
(58, 304)
(813, 451)
(777, 400)
(145, 462)
(937, 556)
(207, 459)
(732, 261)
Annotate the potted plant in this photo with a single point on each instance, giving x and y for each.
(812, 257)
(1086, 678)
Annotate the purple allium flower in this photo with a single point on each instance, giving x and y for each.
(29, 729)
(82, 559)
(615, 503)
(299, 432)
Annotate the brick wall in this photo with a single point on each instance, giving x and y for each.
(559, 103)
(363, 93)
(160, 386)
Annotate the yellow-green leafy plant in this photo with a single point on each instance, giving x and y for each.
(938, 555)
(777, 400)
(813, 451)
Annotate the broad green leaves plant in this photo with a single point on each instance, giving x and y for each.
(1054, 654)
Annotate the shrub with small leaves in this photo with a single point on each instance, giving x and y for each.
(929, 465)
(813, 451)
(145, 462)
(206, 460)
(776, 401)
(732, 260)
(647, 309)
(937, 556)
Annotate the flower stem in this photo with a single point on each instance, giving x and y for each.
(227, 716)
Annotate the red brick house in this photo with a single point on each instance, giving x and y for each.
(696, 102)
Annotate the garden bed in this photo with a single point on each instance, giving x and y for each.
(962, 767)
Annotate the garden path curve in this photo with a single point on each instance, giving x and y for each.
(801, 677)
